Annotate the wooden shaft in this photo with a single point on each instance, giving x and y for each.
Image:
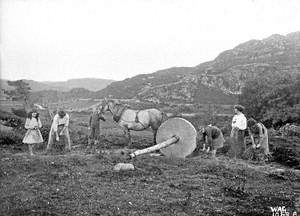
(158, 146)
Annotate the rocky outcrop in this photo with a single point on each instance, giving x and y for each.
(230, 70)
(217, 81)
(232, 80)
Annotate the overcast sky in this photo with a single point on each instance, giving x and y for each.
(116, 39)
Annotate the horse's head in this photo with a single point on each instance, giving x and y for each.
(107, 105)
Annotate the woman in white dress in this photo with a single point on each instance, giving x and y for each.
(239, 125)
(33, 134)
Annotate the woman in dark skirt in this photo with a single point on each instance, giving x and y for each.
(212, 136)
(259, 135)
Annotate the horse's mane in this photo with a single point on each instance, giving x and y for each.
(118, 107)
(118, 104)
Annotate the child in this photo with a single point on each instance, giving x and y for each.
(33, 134)
(94, 127)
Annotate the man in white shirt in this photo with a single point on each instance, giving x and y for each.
(60, 129)
(239, 125)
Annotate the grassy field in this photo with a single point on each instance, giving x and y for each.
(76, 183)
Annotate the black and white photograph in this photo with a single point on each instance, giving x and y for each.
(149, 107)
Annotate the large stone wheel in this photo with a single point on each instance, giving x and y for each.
(187, 137)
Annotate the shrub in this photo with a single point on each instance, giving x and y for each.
(254, 154)
(10, 138)
(5, 115)
(286, 156)
(78, 137)
(272, 100)
(19, 112)
(81, 140)
(11, 120)
(83, 124)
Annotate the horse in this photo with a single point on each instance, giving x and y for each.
(130, 119)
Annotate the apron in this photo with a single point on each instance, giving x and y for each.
(238, 145)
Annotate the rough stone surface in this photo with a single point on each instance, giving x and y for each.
(123, 166)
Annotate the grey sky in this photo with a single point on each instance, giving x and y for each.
(116, 39)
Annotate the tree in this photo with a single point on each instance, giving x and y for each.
(284, 102)
(273, 100)
(21, 92)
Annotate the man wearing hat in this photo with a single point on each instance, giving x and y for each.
(60, 129)
(239, 125)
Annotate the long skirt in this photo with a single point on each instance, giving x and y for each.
(218, 142)
(65, 137)
(238, 144)
(33, 136)
(264, 143)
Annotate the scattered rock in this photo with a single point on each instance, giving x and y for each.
(123, 166)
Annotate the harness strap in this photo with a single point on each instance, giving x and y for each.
(119, 113)
(117, 116)
(137, 116)
(137, 119)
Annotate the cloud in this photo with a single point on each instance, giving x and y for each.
(62, 39)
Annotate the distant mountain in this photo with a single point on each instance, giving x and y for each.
(34, 85)
(4, 85)
(54, 96)
(217, 81)
(91, 84)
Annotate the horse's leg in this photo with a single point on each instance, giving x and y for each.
(127, 135)
(154, 136)
(155, 125)
(129, 138)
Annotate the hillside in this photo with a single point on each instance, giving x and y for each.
(54, 96)
(230, 70)
(164, 86)
(131, 87)
(217, 81)
(34, 85)
(91, 84)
